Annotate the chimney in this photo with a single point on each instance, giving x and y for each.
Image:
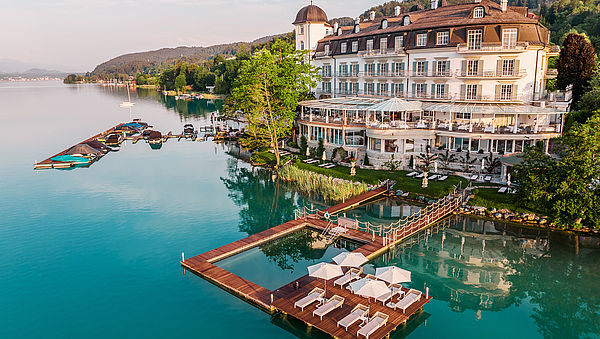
(434, 4)
(504, 5)
(372, 15)
(357, 21)
(336, 25)
(397, 11)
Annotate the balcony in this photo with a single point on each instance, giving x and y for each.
(515, 74)
(492, 47)
(326, 75)
(515, 98)
(347, 74)
(551, 73)
(382, 52)
(322, 54)
(554, 50)
(394, 74)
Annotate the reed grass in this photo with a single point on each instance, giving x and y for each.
(333, 189)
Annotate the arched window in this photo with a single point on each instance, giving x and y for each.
(301, 45)
(384, 24)
(356, 28)
(406, 20)
(478, 12)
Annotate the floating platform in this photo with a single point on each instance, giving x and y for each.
(282, 299)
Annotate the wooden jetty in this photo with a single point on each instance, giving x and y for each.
(49, 163)
(282, 299)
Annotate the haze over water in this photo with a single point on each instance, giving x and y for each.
(94, 252)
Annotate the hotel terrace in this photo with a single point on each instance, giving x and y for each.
(468, 77)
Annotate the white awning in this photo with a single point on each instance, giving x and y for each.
(396, 105)
(450, 107)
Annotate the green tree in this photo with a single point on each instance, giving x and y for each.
(303, 144)
(180, 82)
(320, 148)
(267, 91)
(575, 64)
(566, 189)
(392, 164)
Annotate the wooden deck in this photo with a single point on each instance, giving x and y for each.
(288, 295)
(283, 298)
(48, 163)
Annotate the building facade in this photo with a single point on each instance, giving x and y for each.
(478, 69)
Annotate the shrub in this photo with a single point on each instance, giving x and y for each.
(366, 160)
(320, 148)
(303, 144)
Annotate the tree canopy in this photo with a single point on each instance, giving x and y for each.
(575, 64)
(267, 90)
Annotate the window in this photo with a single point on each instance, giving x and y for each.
(370, 69)
(478, 12)
(301, 45)
(406, 20)
(421, 39)
(383, 44)
(384, 24)
(443, 68)
(474, 39)
(369, 45)
(421, 68)
(471, 92)
(399, 42)
(508, 67)
(343, 47)
(443, 38)
(506, 92)
(398, 68)
(301, 30)
(375, 144)
(472, 67)
(441, 91)
(420, 90)
(355, 138)
(509, 38)
(354, 46)
(326, 49)
(356, 28)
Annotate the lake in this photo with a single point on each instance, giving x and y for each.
(94, 252)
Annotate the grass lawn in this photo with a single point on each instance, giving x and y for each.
(486, 197)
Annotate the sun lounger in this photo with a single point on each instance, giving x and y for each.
(474, 177)
(410, 298)
(353, 273)
(502, 189)
(329, 166)
(325, 164)
(411, 174)
(377, 321)
(311, 297)
(355, 315)
(420, 175)
(405, 194)
(433, 177)
(330, 305)
(488, 178)
(395, 289)
(443, 178)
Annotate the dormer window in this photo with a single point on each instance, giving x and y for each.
(406, 20)
(478, 12)
(343, 47)
(327, 49)
(356, 28)
(384, 24)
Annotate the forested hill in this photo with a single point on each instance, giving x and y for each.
(154, 61)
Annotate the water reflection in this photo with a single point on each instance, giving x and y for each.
(197, 108)
(484, 265)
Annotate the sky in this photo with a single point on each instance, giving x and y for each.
(76, 35)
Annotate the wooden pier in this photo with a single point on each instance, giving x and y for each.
(49, 163)
(282, 299)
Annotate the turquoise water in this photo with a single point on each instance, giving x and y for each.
(277, 263)
(94, 252)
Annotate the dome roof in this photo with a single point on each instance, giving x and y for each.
(310, 13)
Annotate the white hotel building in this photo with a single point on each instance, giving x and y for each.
(467, 77)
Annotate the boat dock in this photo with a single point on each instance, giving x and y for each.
(49, 163)
(282, 299)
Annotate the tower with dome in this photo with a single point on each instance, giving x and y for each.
(311, 25)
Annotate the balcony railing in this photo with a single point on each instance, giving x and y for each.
(322, 54)
(492, 47)
(381, 52)
(388, 74)
(491, 74)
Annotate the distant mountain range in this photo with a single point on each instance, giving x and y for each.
(156, 60)
(11, 66)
